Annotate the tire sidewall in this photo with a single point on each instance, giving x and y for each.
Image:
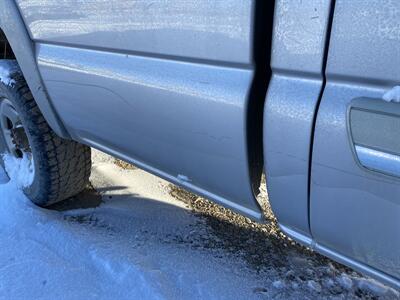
(11, 93)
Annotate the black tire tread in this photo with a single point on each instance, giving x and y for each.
(64, 165)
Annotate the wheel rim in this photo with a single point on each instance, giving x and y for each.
(15, 139)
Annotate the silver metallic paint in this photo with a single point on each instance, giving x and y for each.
(177, 119)
(378, 160)
(162, 84)
(297, 59)
(355, 216)
(14, 28)
(199, 29)
(356, 212)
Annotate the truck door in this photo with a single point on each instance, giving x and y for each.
(355, 179)
(167, 86)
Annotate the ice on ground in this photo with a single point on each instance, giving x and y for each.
(393, 95)
(128, 248)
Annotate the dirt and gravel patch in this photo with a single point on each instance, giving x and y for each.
(124, 165)
(285, 264)
(286, 270)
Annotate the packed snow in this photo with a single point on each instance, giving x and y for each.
(392, 95)
(133, 240)
(6, 69)
(20, 170)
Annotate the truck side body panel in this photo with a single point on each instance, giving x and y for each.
(165, 85)
(205, 29)
(173, 88)
(355, 206)
(297, 64)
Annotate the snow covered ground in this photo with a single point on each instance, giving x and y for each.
(137, 237)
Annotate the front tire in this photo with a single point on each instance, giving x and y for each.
(61, 167)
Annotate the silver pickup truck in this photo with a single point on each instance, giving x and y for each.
(208, 95)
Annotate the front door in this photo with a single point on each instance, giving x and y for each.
(355, 188)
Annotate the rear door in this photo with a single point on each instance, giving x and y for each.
(355, 188)
(164, 84)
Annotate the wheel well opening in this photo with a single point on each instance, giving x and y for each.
(6, 51)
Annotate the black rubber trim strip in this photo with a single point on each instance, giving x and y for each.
(324, 64)
(262, 47)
